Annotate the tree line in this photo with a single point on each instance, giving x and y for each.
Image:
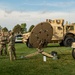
(19, 28)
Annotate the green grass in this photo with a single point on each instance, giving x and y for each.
(35, 65)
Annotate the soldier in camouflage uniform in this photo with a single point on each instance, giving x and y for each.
(3, 42)
(11, 46)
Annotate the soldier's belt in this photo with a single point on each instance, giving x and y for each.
(3, 43)
(10, 45)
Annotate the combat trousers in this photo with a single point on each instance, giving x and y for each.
(12, 54)
(3, 47)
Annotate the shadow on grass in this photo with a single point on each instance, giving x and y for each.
(55, 46)
(4, 57)
(65, 56)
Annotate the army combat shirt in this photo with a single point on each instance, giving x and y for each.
(11, 40)
(3, 40)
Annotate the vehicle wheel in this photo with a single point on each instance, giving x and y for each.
(68, 41)
(73, 53)
(61, 43)
(28, 44)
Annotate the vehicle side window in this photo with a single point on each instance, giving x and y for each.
(70, 28)
(19, 35)
(59, 28)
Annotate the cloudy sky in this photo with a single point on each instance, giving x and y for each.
(32, 12)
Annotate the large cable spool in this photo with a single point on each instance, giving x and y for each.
(42, 32)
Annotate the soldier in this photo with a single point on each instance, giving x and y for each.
(3, 42)
(11, 46)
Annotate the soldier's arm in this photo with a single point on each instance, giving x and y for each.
(0, 39)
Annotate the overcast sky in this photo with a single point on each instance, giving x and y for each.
(32, 12)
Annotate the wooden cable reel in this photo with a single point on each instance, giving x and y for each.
(42, 32)
(40, 36)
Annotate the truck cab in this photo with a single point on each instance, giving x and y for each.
(63, 34)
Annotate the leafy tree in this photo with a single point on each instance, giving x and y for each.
(17, 29)
(23, 27)
(31, 27)
(0, 27)
(5, 29)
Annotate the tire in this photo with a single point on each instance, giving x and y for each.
(68, 41)
(28, 44)
(73, 53)
(61, 43)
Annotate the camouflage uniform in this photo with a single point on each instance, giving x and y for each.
(11, 47)
(3, 42)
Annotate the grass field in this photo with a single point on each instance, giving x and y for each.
(35, 65)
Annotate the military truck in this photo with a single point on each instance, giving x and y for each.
(25, 37)
(64, 34)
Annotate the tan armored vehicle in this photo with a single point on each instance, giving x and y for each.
(25, 37)
(62, 34)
